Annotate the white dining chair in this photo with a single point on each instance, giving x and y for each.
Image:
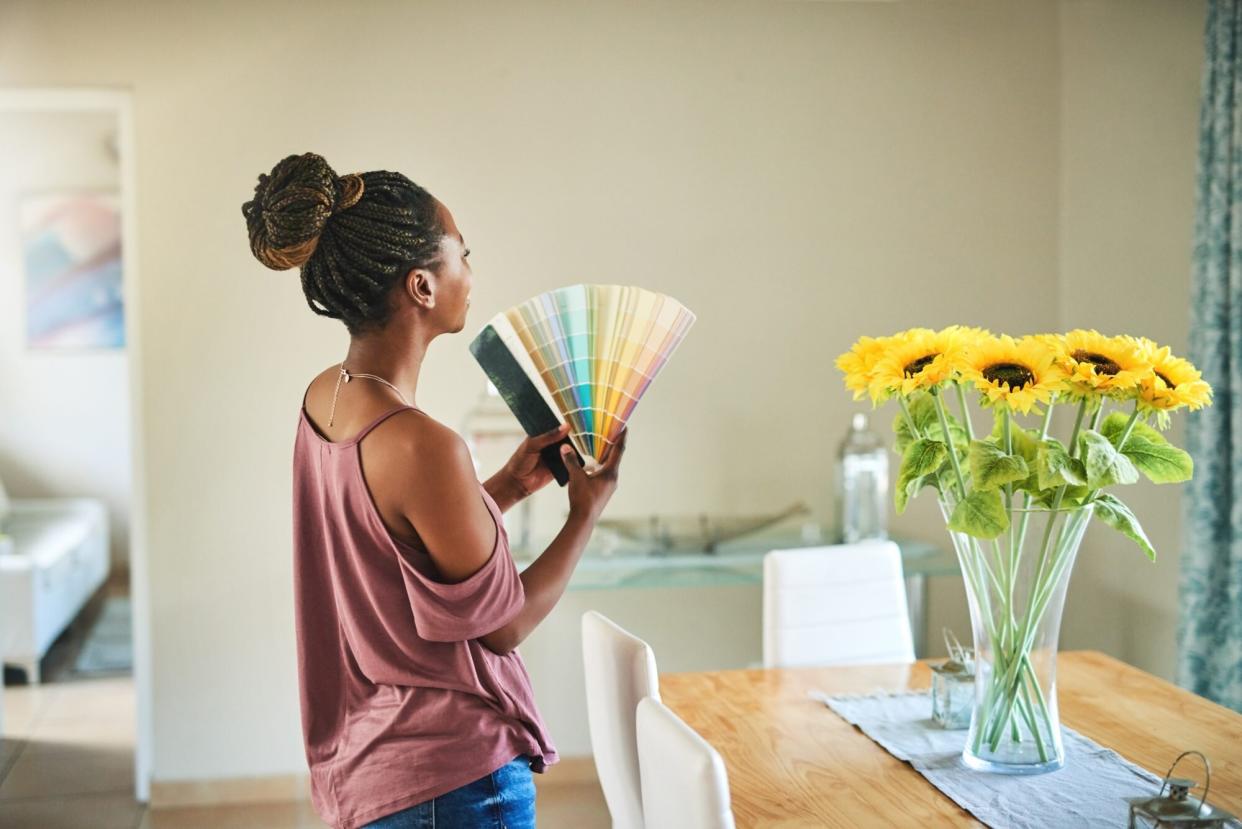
(838, 605)
(685, 785)
(620, 670)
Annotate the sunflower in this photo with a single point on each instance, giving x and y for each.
(1014, 373)
(918, 359)
(858, 364)
(968, 336)
(1172, 383)
(1098, 365)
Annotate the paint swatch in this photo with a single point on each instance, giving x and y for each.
(590, 352)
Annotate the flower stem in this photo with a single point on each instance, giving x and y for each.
(1058, 567)
(1125, 434)
(1039, 694)
(1028, 713)
(961, 398)
(982, 593)
(1014, 702)
(1041, 595)
(1007, 429)
(1043, 431)
(1011, 563)
(905, 411)
(948, 440)
(1095, 418)
(1056, 506)
(1026, 497)
(1031, 620)
(1073, 447)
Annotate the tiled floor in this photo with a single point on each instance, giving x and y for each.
(66, 762)
(68, 756)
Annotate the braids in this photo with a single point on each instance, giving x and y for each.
(353, 236)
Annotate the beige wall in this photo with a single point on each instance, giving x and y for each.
(1129, 135)
(797, 173)
(64, 415)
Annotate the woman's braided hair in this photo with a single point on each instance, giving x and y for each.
(353, 236)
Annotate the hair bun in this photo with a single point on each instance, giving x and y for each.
(291, 208)
(351, 188)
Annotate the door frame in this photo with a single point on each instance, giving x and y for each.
(120, 102)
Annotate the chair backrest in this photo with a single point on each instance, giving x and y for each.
(838, 605)
(685, 785)
(620, 670)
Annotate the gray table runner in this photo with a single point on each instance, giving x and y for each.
(1089, 791)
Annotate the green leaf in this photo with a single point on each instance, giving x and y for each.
(901, 495)
(991, 468)
(907, 489)
(922, 458)
(1054, 467)
(981, 514)
(919, 413)
(1025, 444)
(1115, 424)
(1155, 457)
(923, 412)
(1104, 464)
(1118, 516)
(1074, 496)
(1162, 463)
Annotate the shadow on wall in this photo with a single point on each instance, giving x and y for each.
(22, 481)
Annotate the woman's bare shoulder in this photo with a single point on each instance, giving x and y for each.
(422, 450)
(421, 473)
(415, 430)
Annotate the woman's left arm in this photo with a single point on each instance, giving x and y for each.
(525, 473)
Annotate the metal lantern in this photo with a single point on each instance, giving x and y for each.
(1178, 809)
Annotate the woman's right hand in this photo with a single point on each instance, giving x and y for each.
(589, 493)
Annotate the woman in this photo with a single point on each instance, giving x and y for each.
(416, 707)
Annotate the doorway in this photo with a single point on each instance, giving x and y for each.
(73, 572)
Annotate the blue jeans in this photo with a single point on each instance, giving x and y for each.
(504, 799)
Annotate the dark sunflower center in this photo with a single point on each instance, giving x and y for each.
(1015, 375)
(1103, 365)
(918, 365)
(1166, 380)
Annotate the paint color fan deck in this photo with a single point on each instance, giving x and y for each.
(582, 355)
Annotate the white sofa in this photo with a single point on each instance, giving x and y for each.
(53, 557)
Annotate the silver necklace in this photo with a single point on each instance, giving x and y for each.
(346, 376)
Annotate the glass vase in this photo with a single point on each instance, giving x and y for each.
(1016, 585)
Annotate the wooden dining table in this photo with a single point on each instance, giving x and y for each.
(792, 762)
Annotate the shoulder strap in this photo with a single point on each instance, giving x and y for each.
(367, 430)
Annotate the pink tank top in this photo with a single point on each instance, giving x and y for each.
(400, 702)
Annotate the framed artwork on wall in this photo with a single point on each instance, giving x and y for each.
(71, 247)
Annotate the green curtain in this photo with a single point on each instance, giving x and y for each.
(1210, 633)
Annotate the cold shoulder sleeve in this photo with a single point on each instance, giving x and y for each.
(487, 600)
